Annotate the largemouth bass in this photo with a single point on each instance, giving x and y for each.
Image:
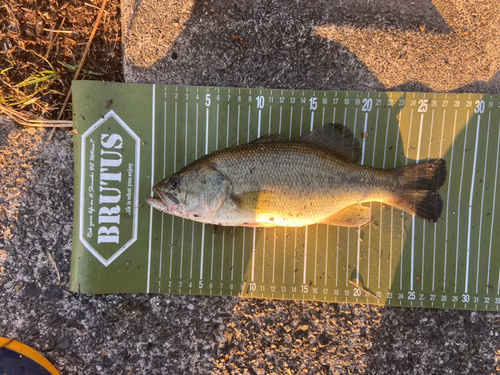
(313, 179)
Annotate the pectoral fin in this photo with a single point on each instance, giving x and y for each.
(351, 216)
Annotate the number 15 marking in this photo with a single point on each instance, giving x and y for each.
(313, 103)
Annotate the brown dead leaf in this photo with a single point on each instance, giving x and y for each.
(238, 38)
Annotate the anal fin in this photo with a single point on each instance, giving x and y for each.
(351, 216)
(259, 225)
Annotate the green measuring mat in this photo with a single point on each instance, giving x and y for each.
(128, 137)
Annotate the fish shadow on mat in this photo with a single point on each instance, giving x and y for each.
(444, 262)
(448, 264)
(428, 269)
(428, 261)
(409, 261)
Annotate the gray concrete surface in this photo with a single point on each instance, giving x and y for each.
(356, 45)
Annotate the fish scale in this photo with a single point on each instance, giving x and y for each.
(311, 183)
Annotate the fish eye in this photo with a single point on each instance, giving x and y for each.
(173, 183)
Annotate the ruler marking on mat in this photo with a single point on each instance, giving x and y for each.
(471, 197)
(482, 203)
(449, 178)
(459, 206)
(153, 117)
(304, 272)
(493, 215)
(294, 273)
(392, 208)
(348, 229)
(253, 254)
(316, 253)
(370, 226)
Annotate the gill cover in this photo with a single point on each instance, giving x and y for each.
(196, 193)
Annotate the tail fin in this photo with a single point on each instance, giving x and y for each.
(419, 189)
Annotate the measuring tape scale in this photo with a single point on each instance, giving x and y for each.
(397, 260)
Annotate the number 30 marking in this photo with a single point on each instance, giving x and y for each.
(479, 106)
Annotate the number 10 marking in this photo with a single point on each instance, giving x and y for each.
(260, 102)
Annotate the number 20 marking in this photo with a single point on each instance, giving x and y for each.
(367, 105)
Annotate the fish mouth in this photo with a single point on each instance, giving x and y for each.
(166, 198)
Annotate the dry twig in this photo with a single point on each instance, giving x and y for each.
(363, 289)
(60, 31)
(364, 225)
(53, 38)
(23, 119)
(87, 48)
(57, 269)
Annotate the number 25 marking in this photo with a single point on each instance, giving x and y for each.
(423, 105)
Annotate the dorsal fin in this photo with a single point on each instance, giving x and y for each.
(338, 139)
(270, 138)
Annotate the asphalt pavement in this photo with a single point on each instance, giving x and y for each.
(369, 45)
